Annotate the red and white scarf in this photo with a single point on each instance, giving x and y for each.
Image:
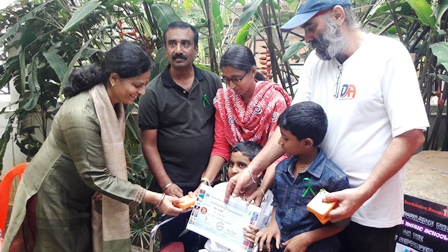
(257, 120)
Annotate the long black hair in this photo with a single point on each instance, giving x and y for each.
(126, 59)
(239, 57)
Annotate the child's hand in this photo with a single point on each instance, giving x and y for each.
(265, 235)
(251, 231)
(196, 192)
(296, 244)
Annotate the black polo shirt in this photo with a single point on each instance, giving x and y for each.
(184, 122)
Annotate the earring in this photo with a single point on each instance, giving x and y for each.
(113, 82)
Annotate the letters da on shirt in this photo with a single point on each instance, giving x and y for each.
(348, 91)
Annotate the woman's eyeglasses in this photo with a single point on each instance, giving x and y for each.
(235, 80)
(337, 85)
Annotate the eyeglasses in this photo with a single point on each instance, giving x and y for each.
(338, 83)
(235, 80)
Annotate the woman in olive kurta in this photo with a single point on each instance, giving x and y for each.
(53, 204)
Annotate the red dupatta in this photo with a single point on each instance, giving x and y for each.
(257, 120)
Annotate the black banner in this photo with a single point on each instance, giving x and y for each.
(425, 226)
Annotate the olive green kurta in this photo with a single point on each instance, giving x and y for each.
(67, 170)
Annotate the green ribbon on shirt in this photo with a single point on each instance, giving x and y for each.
(205, 101)
(308, 187)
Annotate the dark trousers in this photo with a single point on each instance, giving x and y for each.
(359, 238)
(171, 230)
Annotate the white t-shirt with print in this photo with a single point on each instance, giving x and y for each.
(378, 99)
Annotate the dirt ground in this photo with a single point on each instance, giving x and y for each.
(426, 176)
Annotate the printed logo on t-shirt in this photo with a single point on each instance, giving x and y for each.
(348, 92)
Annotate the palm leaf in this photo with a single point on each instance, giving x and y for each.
(81, 13)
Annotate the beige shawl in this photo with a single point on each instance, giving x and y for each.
(110, 218)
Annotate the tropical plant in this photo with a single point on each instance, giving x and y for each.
(51, 38)
(265, 17)
(142, 221)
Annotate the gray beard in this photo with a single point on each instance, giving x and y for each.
(330, 43)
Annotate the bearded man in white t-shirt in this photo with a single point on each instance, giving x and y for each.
(368, 87)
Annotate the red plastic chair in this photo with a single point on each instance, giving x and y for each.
(173, 247)
(5, 189)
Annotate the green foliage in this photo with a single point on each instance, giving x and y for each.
(142, 222)
(249, 12)
(45, 41)
(423, 11)
(292, 50)
(217, 22)
(80, 14)
(243, 34)
(48, 39)
(164, 15)
(441, 51)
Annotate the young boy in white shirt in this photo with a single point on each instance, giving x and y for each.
(240, 156)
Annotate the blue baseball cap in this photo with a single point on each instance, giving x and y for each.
(309, 9)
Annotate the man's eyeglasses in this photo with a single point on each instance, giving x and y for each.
(337, 85)
(235, 80)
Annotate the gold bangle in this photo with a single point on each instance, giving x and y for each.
(251, 175)
(161, 200)
(261, 189)
(166, 187)
(207, 182)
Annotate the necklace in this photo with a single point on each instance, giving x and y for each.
(337, 84)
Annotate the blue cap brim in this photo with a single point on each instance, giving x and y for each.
(298, 20)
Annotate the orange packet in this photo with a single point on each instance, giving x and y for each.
(323, 220)
(320, 208)
(187, 202)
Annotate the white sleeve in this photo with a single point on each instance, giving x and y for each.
(266, 210)
(401, 93)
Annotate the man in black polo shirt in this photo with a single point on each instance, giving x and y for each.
(176, 118)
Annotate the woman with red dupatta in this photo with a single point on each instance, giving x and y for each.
(246, 111)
